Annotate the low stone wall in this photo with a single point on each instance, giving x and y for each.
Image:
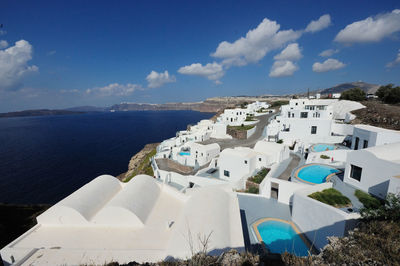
(237, 134)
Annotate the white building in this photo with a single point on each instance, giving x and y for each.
(365, 136)
(304, 120)
(142, 220)
(195, 154)
(238, 164)
(372, 169)
(233, 117)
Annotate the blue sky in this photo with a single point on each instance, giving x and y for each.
(57, 54)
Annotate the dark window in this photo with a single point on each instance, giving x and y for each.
(355, 172)
(356, 143)
(303, 115)
(314, 130)
(226, 173)
(365, 144)
(259, 159)
(245, 162)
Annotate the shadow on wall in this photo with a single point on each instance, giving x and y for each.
(380, 190)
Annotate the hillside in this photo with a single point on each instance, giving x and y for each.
(39, 112)
(367, 87)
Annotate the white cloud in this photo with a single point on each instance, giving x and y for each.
(212, 71)
(371, 29)
(114, 89)
(329, 52)
(316, 25)
(328, 65)
(291, 52)
(395, 62)
(156, 79)
(255, 45)
(14, 64)
(3, 44)
(3, 32)
(282, 68)
(50, 53)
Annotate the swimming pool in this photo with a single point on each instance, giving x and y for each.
(184, 153)
(323, 147)
(280, 236)
(315, 173)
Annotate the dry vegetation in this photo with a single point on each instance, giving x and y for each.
(378, 114)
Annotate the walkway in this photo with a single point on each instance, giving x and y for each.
(288, 171)
(250, 142)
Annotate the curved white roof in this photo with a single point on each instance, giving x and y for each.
(208, 211)
(267, 147)
(388, 152)
(132, 205)
(83, 204)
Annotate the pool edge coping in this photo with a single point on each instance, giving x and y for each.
(328, 177)
(310, 246)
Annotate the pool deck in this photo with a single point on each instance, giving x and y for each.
(257, 207)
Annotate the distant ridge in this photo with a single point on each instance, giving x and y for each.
(40, 112)
(367, 87)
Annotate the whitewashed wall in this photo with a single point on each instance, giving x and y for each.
(319, 220)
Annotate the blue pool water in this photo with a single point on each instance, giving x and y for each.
(323, 147)
(316, 173)
(280, 237)
(184, 153)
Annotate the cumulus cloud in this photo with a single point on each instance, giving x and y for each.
(255, 45)
(282, 68)
(291, 52)
(212, 71)
(371, 29)
(329, 52)
(328, 65)
(156, 79)
(395, 62)
(3, 44)
(284, 65)
(114, 89)
(14, 64)
(316, 25)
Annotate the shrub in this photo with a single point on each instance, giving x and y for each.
(390, 210)
(331, 197)
(389, 94)
(367, 200)
(323, 156)
(354, 94)
(279, 103)
(253, 190)
(280, 141)
(259, 177)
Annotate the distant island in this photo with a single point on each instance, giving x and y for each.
(39, 112)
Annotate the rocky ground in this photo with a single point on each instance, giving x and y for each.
(378, 114)
(139, 163)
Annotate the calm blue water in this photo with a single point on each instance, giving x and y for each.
(323, 147)
(316, 173)
(280, 237)
(43, 159)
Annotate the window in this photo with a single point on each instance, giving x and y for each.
(259, 159)
(365, 144)
(292, 114)
(226, 173)
(314, 130)
(355, 172)
(356, 143)
(245, 161)
(303, 115)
